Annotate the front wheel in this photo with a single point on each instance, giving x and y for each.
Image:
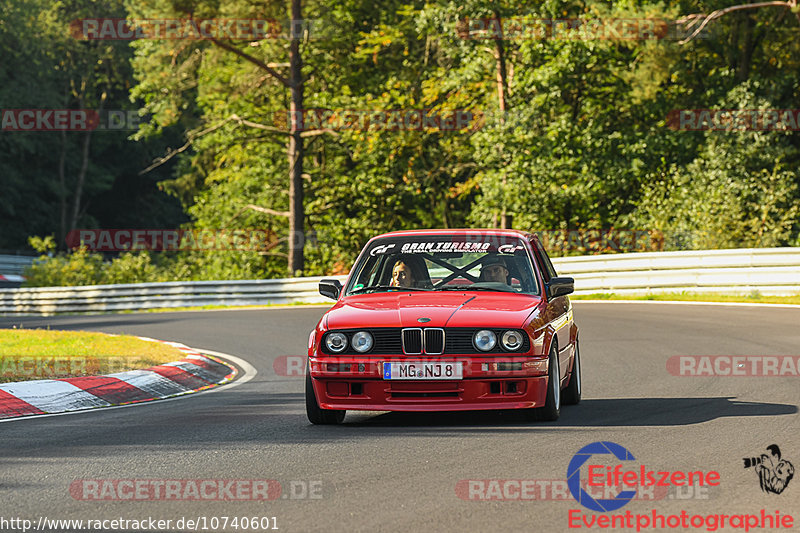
(552, 405)
(572, 394)
(315, 413)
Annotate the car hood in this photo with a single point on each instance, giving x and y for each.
(451, 309)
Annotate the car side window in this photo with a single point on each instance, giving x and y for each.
(543, 262)
(367, 276)
(548, 264)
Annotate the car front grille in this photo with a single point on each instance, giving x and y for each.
(418, 341)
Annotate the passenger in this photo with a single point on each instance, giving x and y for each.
(494, 269)
(402, 275)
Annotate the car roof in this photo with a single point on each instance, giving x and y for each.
(459, 231)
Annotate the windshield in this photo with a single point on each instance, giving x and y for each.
(444, 263)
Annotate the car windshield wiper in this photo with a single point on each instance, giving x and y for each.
(471, 288)
(386, 287)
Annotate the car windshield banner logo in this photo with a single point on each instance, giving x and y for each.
(381, 249)
(574, 477)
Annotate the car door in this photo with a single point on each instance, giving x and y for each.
(558, 308)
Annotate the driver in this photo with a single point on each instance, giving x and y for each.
(494, 269)
(402, 275)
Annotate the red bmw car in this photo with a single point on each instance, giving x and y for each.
(446, 320)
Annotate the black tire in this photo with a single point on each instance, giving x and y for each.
(315, 413)
(572, 394)
(552, 405)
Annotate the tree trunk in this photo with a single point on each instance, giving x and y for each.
(295, 148)
(501, 74)
(502, 87)
(76, 201)
(747, 49)
(62, 193)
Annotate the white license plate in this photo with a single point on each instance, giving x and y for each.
(422, 371)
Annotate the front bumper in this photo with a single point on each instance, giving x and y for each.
(352, 382)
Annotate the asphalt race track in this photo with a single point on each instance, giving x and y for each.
(400, 472)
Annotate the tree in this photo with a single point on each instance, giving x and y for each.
(293, 82)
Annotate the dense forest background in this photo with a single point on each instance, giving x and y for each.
(575, 132)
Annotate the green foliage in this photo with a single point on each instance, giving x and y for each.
(78, 268)
(746, 183)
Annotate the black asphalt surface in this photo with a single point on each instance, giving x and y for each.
(399, 472)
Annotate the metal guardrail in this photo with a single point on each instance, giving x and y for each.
(143, 296)
(14, 264)
(769, 271)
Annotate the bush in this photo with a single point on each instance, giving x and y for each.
(77, 268)
(82, 267)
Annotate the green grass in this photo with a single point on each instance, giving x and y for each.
(43, 354)
(223, 307)
(754, 297)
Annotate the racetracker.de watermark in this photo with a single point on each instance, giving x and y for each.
(572, 29)
(295, 366)
(25, 120)
(57, 366)
(734, 119)
(778, 366)
(379, 120)
(601, 240)
(172, 240)
(120, 29)
(524, 490)
(195, 489)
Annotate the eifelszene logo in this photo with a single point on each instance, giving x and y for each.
(612, 478)
(774, 473)
(574, 477)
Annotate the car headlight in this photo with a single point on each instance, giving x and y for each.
(361, 341)
(512, 340)
(336, 342)
(485, 340)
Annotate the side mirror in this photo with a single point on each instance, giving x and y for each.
(560, 287)
(330, 288)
